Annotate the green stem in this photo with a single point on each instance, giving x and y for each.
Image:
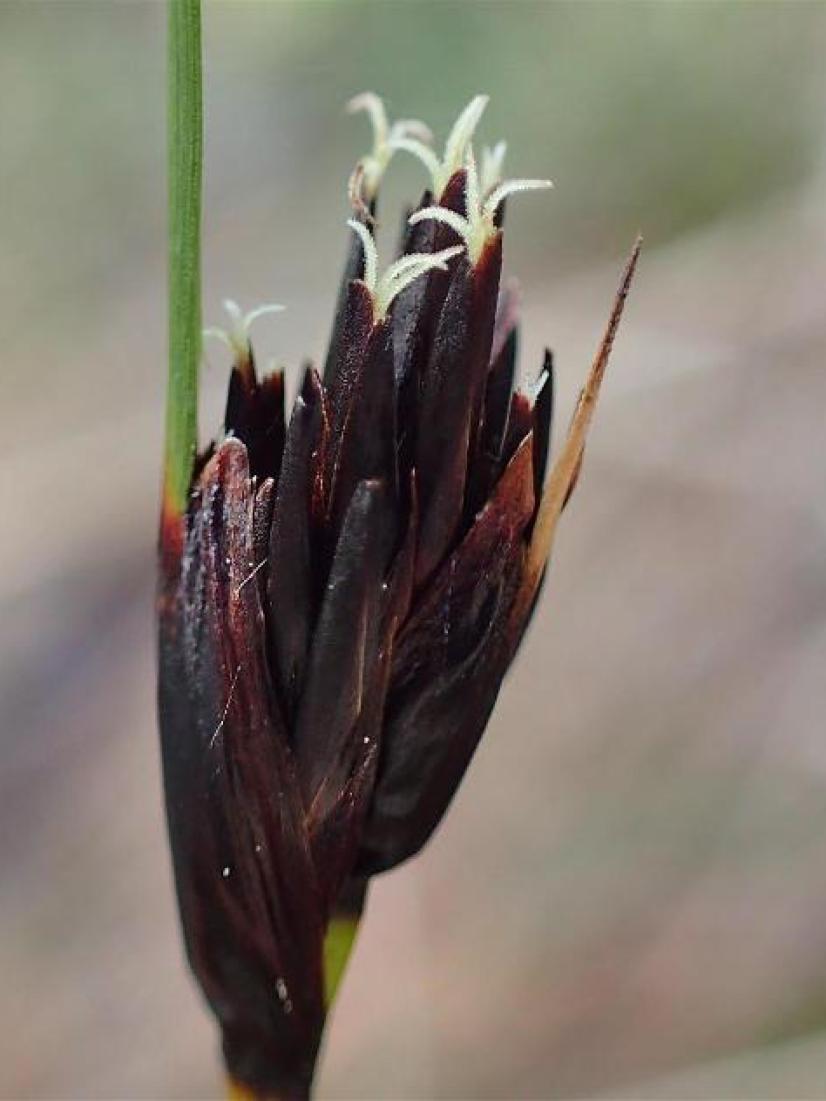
(338, 944)
(185, 160)
(341, 935)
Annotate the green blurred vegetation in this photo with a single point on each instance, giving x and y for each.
(660, 116)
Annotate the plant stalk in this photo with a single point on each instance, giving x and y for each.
(185, 144)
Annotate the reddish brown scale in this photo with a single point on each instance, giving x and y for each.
(319, 464)
(362, 752)
(345, 364)
(336, 818)
(484, 462)
(452, 390)
(507, 319)
(255, 415)
(454, 640)
(488, 273)
(520, 422)
(345, 640)
(416, 311)
(485, 446)
(261, 520)
(353, 269)
(398, 595)
(417, 307)
(292, 589)
(423, 637)
(453, 195)
(412, 331)
(440, 237)
(367, 447)
(543, 412)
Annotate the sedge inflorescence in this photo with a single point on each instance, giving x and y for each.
(352, 584)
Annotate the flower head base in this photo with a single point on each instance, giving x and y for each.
(479, 225)
(237, 336)
(400, 274)
(456, 146)
(371, 167)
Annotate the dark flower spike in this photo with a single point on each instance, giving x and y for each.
(343, 596)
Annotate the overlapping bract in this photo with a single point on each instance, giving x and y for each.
(352, 586)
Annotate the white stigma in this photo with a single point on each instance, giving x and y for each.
(400, 274)
(478, 226)
(371, 167)
(404, 271)
(237, 336)
(456, 146)
(371, 255)
(493, 163)
(462, 133)
(512, 187)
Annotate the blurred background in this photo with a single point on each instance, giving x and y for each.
(628, 898)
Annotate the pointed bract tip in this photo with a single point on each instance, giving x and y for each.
(597, 372)
(566, 468)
